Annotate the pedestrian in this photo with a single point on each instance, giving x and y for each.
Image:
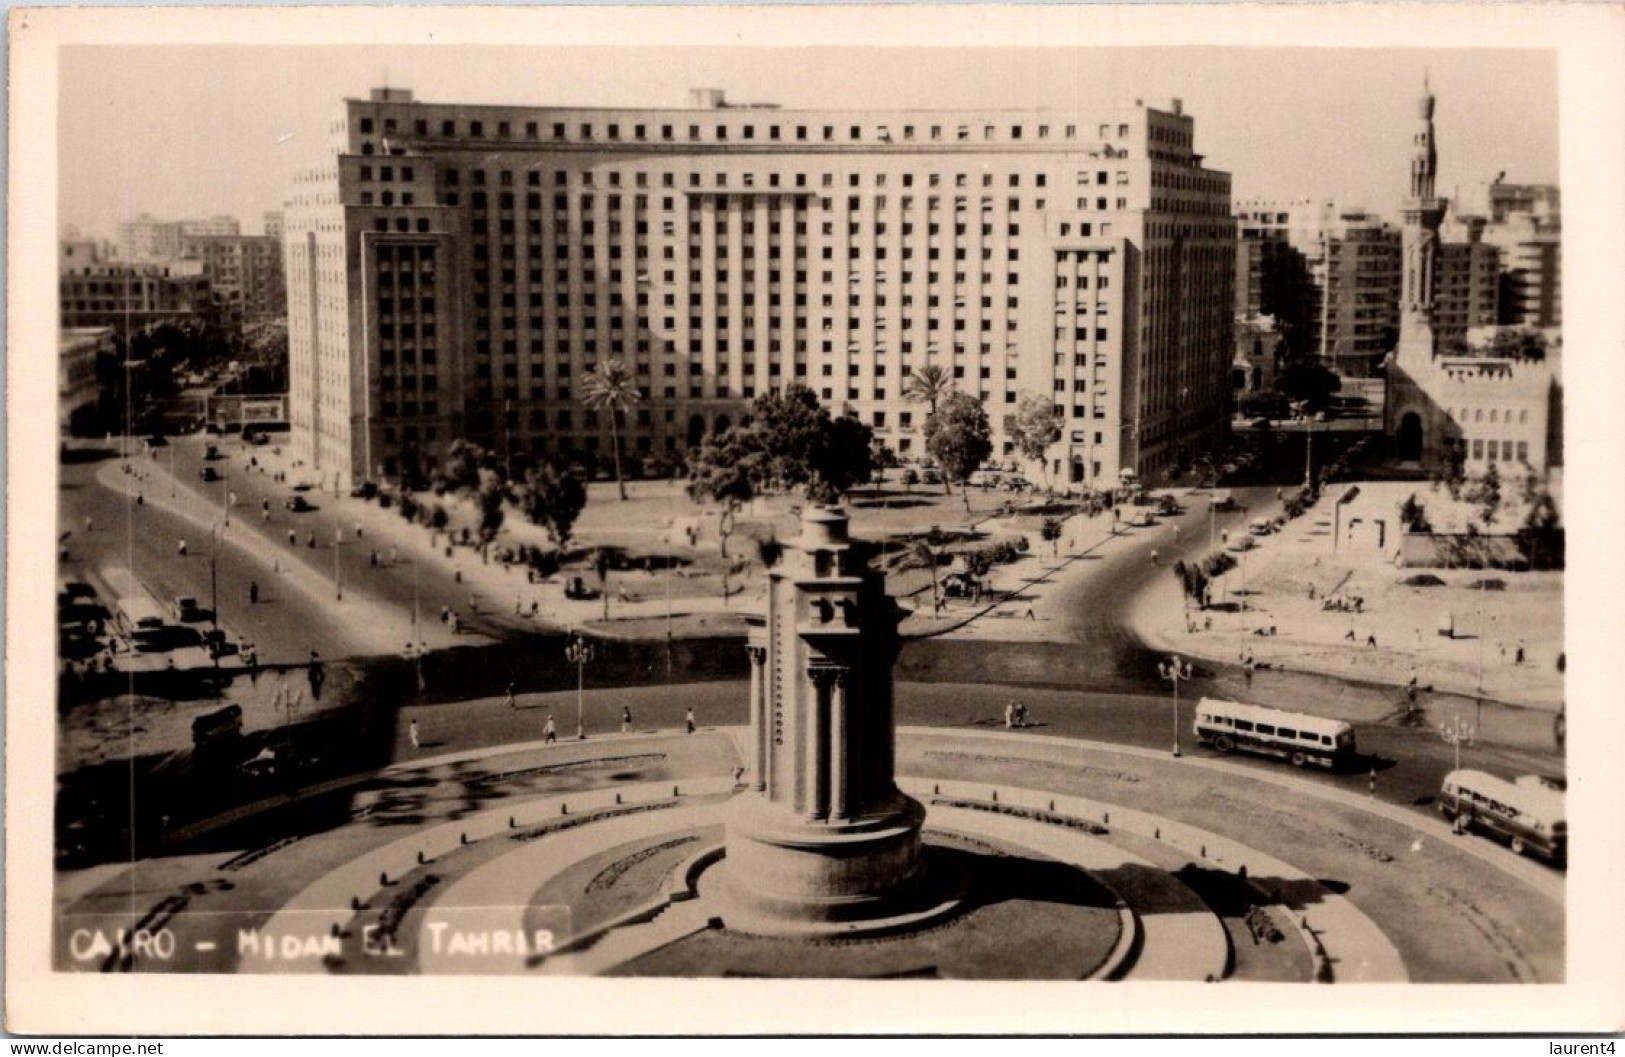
(1371, 783)
(1502, 648)
(456, 624)
(550, 732)
(311, 541)
(182, 548)
(1272, 625)
(1153, 555)
(231, 498)
(372, 559)
(688, 720)
(473, 605)
(1349, 635)
(140, 500)
(293, 538)
(1009, 715)
(1030, 615)
(1311, 592)
(1371, 640)
(739, 775)
(1207, 622)
(412, 732)
(317, 676)
(445, 614)
(510, 701)
(358, 530)
(1517, 657)
(626, 718)
(535, 608)
(518, 607)
(253, 592)
(89, 523)
(1021, 713)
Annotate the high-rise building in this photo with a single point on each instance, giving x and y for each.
(213, 226)
(1448, 390)
(146, 238)
(456, 270)
(244, 273)
(1525, 223)
(1327, 274)
(273, 223)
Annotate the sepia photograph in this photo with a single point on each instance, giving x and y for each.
(843, 510)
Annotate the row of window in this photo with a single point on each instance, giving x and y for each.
(719, 132)
(1500, 451)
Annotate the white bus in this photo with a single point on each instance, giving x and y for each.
(143, 622)
(1230, 726)
(1527, 813)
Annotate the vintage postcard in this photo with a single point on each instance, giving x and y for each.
(715, 520)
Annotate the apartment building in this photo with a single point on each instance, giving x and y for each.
(244, 271)
(1328, 274)
(455, 270)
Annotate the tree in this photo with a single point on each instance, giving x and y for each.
(490, 497)
(843, 458)
(1036, 428)
(1541, 539)
(959, 438)
(1451, 471)
(610, 387)
(928, 385)
(726, 468)
(923, 554)
(1309, 382)
(459, 470)
(1413, 515)
(1486, 495)
(1518, 343)
(553, 498)
(1051, 531)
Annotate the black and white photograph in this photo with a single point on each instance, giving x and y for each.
(792, 497)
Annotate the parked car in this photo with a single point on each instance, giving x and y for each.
(1261, 526)
(1241, 543)
(212, 452)
(209, 473)
(1222, 499)
(297, 504)
(930, 475)
(187, 611)
(1167, 506)
(1143, 519)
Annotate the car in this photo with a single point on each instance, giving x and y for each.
(157, 440)
(1143, 519)
(1222, 499)
(209, 473)
(254, 436)
(1261, 526)
(1241, 543)
(1018, 484)
(297, 504)
(1167, 506)
(929, 475)
(212, 452)
(186, 610)
(576, 588)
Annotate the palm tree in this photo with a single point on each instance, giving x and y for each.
(929, 384)
(922, 554)
(610, 387)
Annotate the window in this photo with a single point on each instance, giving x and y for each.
(1266, 728)
(1241, 724)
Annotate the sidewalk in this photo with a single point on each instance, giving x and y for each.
(1402, 620)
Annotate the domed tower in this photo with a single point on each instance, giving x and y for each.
(822, 840)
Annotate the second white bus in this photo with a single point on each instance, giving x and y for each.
(1230, 726)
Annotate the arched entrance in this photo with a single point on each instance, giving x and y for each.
(1408, 438)
(724, 423)
(696, 430)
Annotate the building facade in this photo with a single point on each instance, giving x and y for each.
(78, 391)
(128, 296)
(454, 271)
(244, 272)
(1525, 223)
(1446, 393)
(1328, 275)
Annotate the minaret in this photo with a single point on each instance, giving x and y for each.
(1422, 212)
(821, 840)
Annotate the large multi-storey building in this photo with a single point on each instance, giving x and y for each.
(244, 272)
(1525, 223)
(78, 385)
(1327, 274)
(455, 271)
(128, 296)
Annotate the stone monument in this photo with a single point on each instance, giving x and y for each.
(821, 841)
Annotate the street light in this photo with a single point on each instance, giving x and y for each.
(1175, 671)
(578, 653)
(1455, 733)
(338, 581)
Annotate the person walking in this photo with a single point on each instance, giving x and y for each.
(253, 592)
(89, 523)
(181, 548)
(293, 538)
(510, 701)
(626, 718)
(688, 720)
(550, 733)
(412, 732)
(1009, 715)
(1517, 656)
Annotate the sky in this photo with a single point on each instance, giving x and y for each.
(183, 131)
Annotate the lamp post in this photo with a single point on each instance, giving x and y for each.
(1455, 733)
(338, 580)
(578, 653)
(1175, 671)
